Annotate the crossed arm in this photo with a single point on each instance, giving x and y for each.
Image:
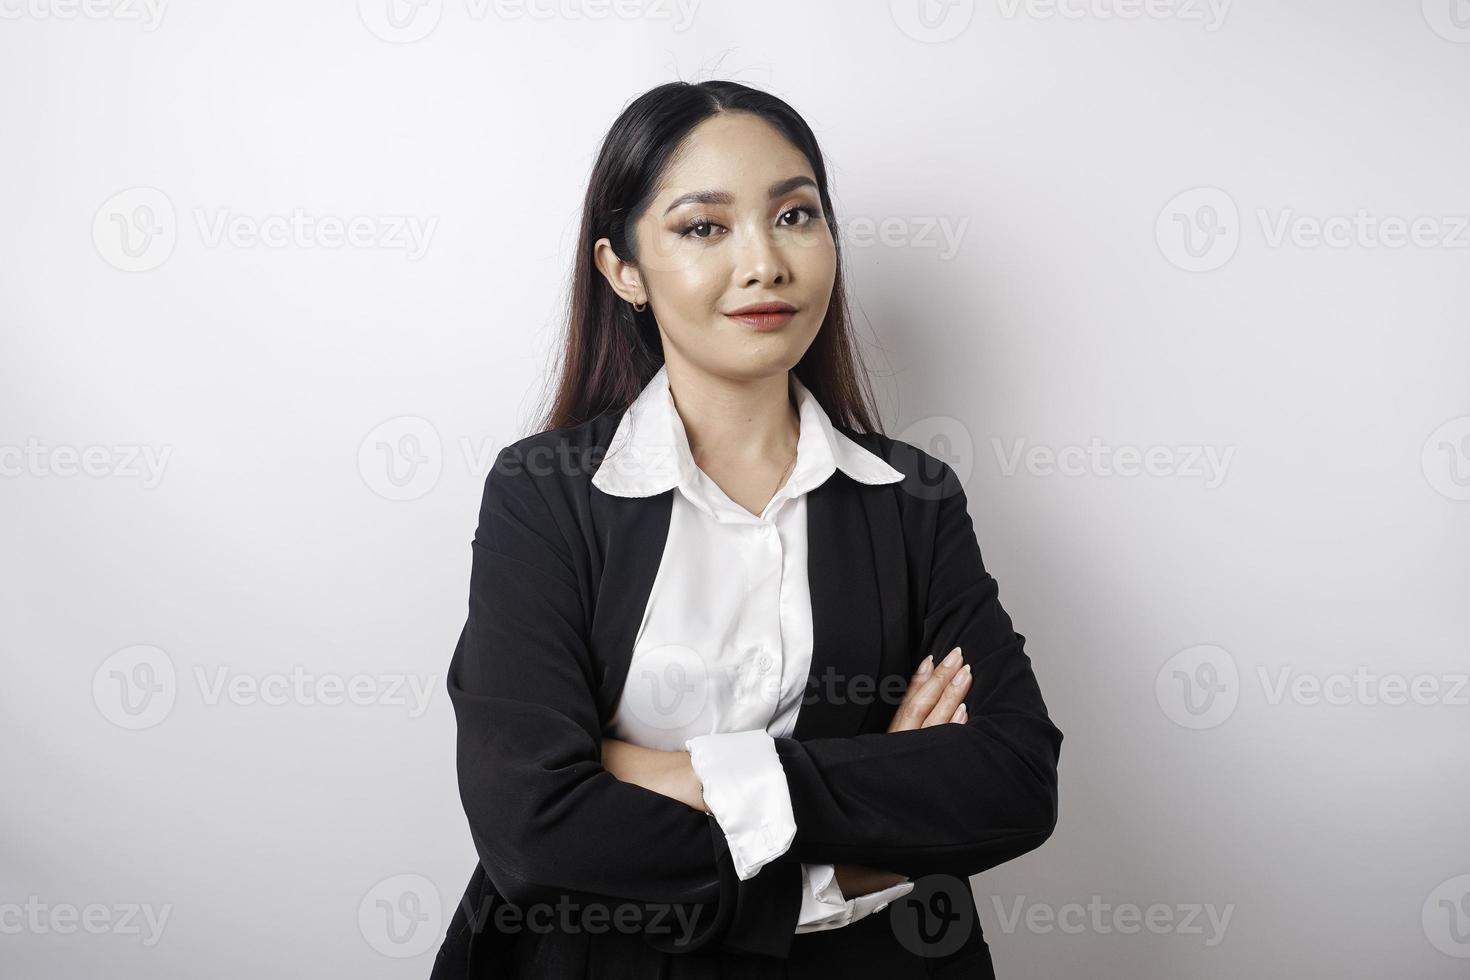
(549, 818)
(932, 697)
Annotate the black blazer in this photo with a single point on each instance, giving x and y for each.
(646, 887)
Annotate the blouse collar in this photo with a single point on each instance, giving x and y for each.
(649, 453)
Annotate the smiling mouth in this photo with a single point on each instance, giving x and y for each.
(764, 320)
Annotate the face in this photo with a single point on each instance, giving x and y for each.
(736, 221)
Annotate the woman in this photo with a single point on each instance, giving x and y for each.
(735, 689)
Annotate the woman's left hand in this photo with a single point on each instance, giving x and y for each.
(935, 695)
(669, 774)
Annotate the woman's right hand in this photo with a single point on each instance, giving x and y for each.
(935, 695)
(933, 698)
(858, 879)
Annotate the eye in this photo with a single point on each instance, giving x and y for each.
(810, 214)
(688, 231)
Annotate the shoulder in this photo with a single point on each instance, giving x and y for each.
(566, 454)
(926, 477)
(552, 469)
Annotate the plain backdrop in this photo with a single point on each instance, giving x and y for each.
(1182, 288)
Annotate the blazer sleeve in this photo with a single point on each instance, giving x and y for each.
(546, 818)
(954, 798)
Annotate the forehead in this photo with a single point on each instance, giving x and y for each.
(736, 151)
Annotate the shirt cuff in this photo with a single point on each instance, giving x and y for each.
(824, 907)
(745, 788)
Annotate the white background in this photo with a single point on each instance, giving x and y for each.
(1083, 308)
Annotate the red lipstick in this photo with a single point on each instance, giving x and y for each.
(764, 316)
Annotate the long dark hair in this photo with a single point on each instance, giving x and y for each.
(609, 350)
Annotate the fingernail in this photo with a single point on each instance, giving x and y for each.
(964, 713)
(960, 676)
(926, 665)
(953, 659)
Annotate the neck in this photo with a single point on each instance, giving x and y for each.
(740, 421)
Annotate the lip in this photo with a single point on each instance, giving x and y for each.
(764, 316)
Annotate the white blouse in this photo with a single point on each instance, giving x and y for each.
(721, 657)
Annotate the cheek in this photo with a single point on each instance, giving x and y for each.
(815, 261)
(693, 292)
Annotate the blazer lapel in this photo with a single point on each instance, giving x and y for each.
(634, 532)
(858, 580)
(856, 573)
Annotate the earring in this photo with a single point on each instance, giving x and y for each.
(640, 309)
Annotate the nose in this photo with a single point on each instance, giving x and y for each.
(761, 260)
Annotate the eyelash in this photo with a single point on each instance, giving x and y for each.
(693, 223)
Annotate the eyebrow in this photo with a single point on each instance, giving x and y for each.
(725, 197)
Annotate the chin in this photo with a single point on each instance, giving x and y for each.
(772, 359)
(752, 365)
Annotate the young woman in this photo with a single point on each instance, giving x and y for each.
(734, 677)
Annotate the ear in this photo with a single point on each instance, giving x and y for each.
(622, 276)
